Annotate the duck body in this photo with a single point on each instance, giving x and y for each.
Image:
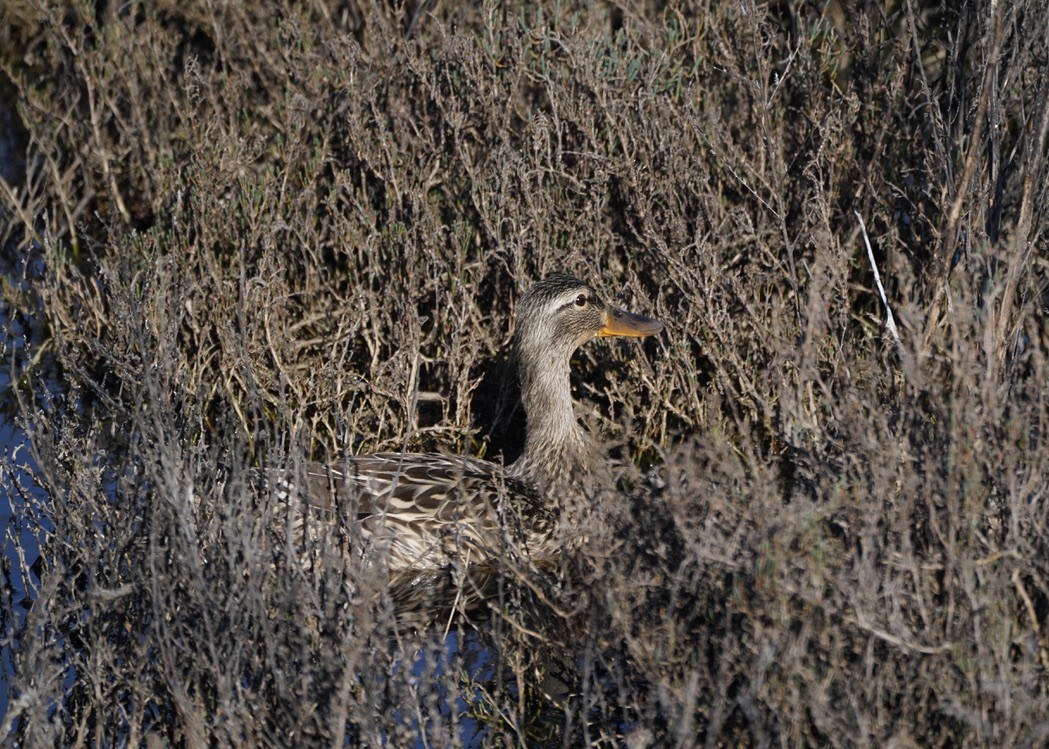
(431, 511)
(428, 512)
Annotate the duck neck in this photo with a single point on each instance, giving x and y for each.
(556, 446)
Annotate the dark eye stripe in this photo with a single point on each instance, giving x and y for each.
(580, 300)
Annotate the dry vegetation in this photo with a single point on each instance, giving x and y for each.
(251, 234)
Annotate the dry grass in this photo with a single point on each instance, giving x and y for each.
(261, 234)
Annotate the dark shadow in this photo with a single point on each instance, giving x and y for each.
(496, 408)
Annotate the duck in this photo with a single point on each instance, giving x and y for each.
(424, 513)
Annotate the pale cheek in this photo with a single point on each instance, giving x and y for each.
(583, 338)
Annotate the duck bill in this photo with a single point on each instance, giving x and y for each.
(620, 322)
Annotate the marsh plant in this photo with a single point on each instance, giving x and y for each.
(253, 235)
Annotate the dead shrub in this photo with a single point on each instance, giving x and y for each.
(253, 235)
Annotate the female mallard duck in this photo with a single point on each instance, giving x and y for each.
(429, 511)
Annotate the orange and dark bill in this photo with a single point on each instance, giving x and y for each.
(619, 322)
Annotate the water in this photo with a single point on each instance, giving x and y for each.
(21, 548)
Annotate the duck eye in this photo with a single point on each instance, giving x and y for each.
(581, 300)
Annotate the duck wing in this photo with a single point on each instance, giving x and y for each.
(429, 510)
